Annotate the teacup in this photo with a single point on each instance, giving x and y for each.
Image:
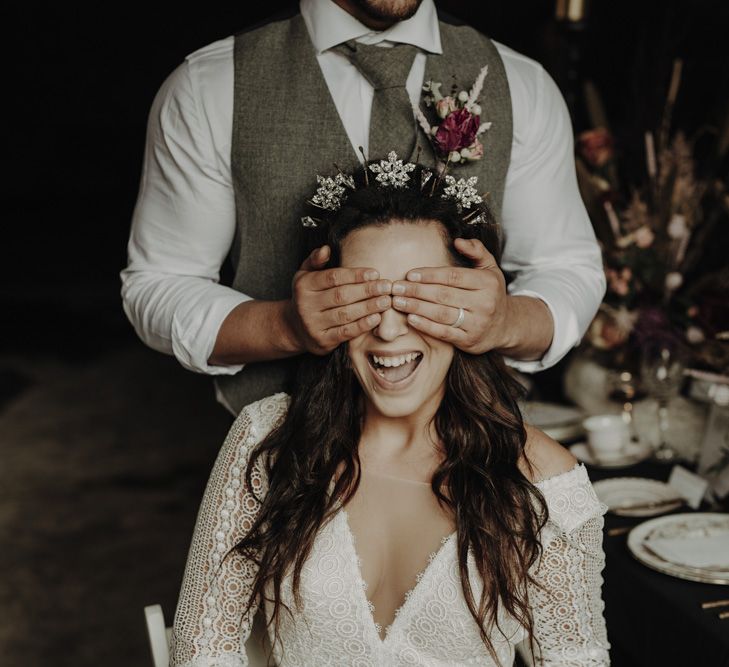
(608, 436)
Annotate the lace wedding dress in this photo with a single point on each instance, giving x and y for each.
(342, 617)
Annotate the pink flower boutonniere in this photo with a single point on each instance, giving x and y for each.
(455, 136)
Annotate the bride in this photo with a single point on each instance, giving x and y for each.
(395, 509)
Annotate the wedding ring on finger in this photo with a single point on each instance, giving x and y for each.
(460, 318)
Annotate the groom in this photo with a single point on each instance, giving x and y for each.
(235, 138)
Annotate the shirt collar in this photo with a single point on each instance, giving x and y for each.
(328, 25)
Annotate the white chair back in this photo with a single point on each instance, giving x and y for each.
(159, 635)
(159, 639)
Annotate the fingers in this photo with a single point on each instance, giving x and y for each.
(443, 314)
(354, 312)
(336, 335)
(326, 328)
(436, 293)
(329, 278)
(351, 293)
(450, 276)
(449, 286)
(476, 252)
(317, 259)
(444, 332)
(325, 279)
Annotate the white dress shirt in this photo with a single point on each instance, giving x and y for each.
(184, 220)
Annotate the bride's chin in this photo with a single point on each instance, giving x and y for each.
(391, 408)
(374, 393)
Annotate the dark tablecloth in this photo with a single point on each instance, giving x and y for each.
(655, 620)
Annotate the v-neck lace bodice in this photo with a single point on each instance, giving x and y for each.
(397, 527)
(335, 624)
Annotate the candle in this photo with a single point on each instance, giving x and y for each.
(682, 247)
(612, 219)
(675, 80)
(650, 154)
(576, 10)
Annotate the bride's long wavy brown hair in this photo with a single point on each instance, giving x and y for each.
(498, 512)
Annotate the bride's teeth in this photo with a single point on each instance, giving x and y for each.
(390, 362)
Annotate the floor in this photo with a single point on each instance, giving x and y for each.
(104, 461)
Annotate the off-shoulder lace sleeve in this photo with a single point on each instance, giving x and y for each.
(210, 628)
(568, 608)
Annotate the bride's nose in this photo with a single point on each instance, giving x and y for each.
(392, 325)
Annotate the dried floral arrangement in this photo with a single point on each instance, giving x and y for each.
(655, 236)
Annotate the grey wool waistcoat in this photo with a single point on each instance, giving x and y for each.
(286, 130)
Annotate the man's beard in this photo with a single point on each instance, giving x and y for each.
(388, 10)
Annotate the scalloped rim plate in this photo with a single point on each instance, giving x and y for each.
(676, 523)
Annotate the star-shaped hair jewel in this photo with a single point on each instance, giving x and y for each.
(462, 191)
(392, 171)
(330, 194)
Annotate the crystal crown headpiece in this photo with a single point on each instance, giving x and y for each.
(393, 172)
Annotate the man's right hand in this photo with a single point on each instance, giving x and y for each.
(330, 306)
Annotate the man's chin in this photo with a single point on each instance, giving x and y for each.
(390, 11)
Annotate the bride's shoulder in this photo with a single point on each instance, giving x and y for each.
(273, 405)
(262, 415)
(563, 483)
(544, 458)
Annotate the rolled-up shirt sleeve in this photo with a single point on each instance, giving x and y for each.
(184, 221)
(550, 247)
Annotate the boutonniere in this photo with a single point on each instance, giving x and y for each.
(455, 133)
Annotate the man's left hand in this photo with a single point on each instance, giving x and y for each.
(432, 297)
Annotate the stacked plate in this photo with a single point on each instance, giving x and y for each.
(560, 422)
(637, 496)
(693, 546)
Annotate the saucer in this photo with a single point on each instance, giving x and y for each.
(632, 455)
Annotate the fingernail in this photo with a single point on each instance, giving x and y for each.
(371, 275)
(383, 302)
(373, 319)
(384, 287)
(414, 319)
(414, 276)
(399, 302)
(398, 288)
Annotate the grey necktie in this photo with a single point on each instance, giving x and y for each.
(392, 124)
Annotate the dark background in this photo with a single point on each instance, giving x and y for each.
(106, 445)
(80, 85)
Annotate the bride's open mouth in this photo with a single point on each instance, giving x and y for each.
(392, 371)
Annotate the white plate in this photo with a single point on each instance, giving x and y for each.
(633, 454)
(560, 422)
(679, 526)
(619, 492)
